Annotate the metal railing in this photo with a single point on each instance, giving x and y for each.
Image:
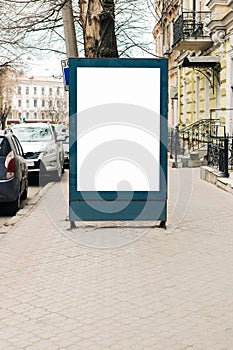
(220, 154)
(194, 136)
(208, 133)
(191, 24)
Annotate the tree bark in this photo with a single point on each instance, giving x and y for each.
(98, 23)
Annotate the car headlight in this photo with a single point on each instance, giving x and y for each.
(48, 151)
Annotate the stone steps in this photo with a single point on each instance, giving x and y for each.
(193, 159)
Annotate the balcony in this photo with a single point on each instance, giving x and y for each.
(190, 31)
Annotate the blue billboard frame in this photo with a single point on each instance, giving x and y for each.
(143, 205)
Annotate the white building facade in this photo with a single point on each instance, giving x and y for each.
(39, 99)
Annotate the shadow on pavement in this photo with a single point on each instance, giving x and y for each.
(38, 180)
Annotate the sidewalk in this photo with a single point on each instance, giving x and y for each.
(215, 177)
(144, 288)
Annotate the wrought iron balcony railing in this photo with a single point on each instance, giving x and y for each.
(191, 24)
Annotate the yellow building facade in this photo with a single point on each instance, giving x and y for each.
(201, 59)
(165, 14)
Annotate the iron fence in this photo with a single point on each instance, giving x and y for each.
(204, 133)
(185, 140)
(220, 154)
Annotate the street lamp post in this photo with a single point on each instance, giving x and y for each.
(69, 30)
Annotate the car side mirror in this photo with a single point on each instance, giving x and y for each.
(60, 137)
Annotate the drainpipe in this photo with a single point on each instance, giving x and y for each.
(193, 98)
(194, 5)
(179, 94)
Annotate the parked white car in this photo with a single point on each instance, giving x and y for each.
(42, 148)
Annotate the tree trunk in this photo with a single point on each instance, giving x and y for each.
(98, 22)
(4, 112)
(3, 121)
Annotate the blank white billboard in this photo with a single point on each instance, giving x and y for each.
(118, 129)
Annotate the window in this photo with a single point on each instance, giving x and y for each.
(9, 116)
(42, 115)
(35, 90)
(197, 97)
(171, 29)
(207, 97)
(27, 104)
(27, 115)
(27, 90)
(185, 103)
(50, 91)
(35, 103)
(19, 90)
(19, 103)
(50, 103)
(58, 104)
(167, 34)
(42, 91)
(43, 103)
(158, 45)
(20, 115)
(58, 90)
(35, 115)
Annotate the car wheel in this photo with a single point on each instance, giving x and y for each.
(13, 207)
(58, 173)
(24, 195)
(43, 175)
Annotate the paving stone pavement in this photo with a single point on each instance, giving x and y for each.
(163, 290)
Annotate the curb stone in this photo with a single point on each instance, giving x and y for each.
(215, 177)
(26, 210)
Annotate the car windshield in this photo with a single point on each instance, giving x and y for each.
(33, 134)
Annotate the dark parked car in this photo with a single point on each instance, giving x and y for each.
(13, 173)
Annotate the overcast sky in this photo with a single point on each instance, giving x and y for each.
(50, 64)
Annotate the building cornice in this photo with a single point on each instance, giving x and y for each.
(181, 57)
(221, 24)
(212, 3)
(230, 3)
(230, 53)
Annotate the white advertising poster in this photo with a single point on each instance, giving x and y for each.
(118, 129)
